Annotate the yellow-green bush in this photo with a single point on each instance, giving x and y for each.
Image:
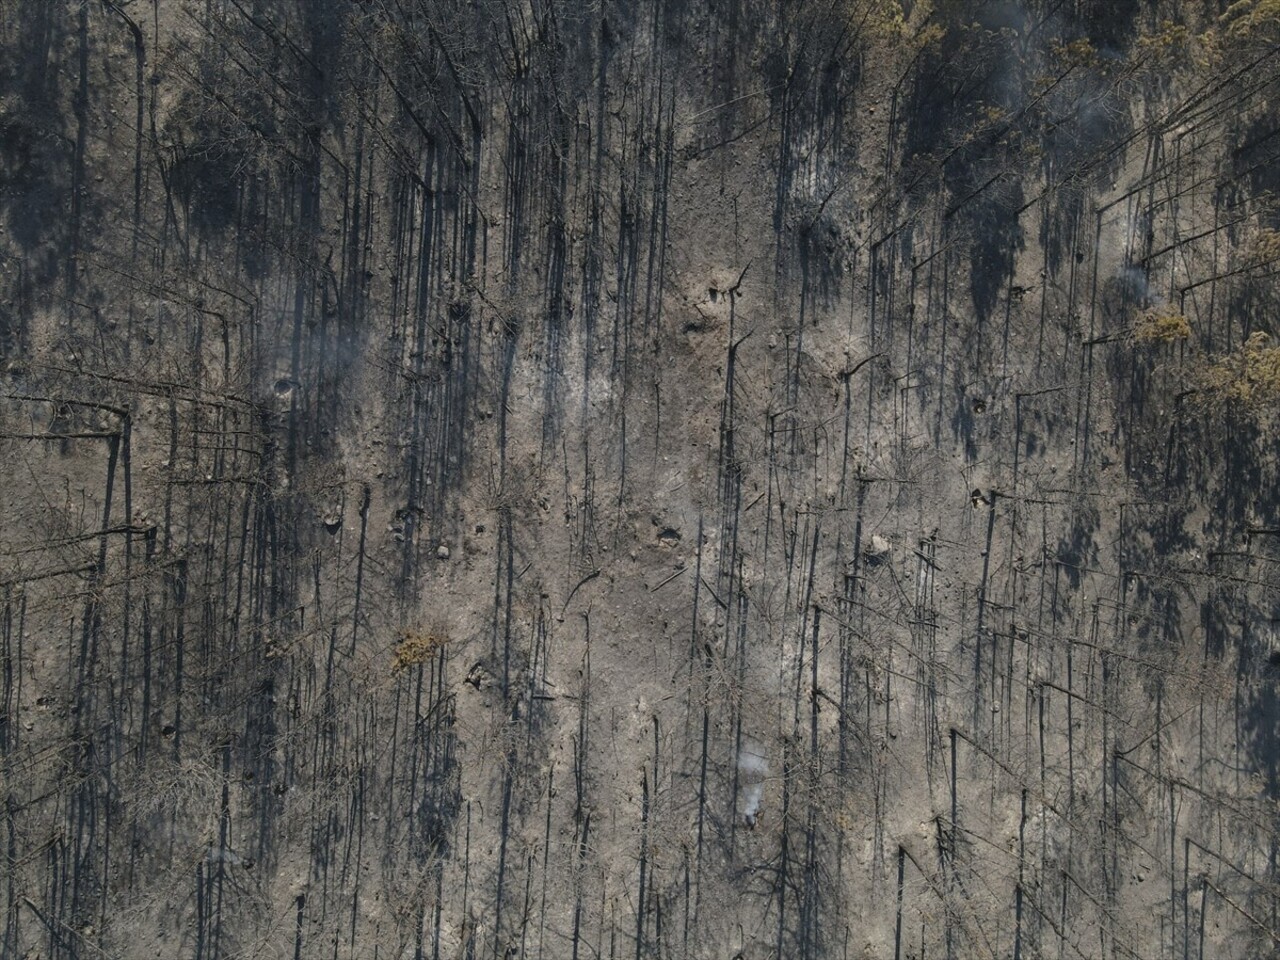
(1248, 377)
(1161, 325)
(416, 647)
(1265, 246)
(1246, 17)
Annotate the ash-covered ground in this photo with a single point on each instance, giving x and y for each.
(671, 479)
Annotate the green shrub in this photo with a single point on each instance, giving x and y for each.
(1248, 377)
(1161, 325)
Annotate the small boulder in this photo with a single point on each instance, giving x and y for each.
(877, 547)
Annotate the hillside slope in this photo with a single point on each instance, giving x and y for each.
(664, 479)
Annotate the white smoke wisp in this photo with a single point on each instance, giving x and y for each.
(222, 855)
(752, 769)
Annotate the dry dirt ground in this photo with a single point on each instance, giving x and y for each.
(692, 480)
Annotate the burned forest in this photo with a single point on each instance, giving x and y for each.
(636, 479)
